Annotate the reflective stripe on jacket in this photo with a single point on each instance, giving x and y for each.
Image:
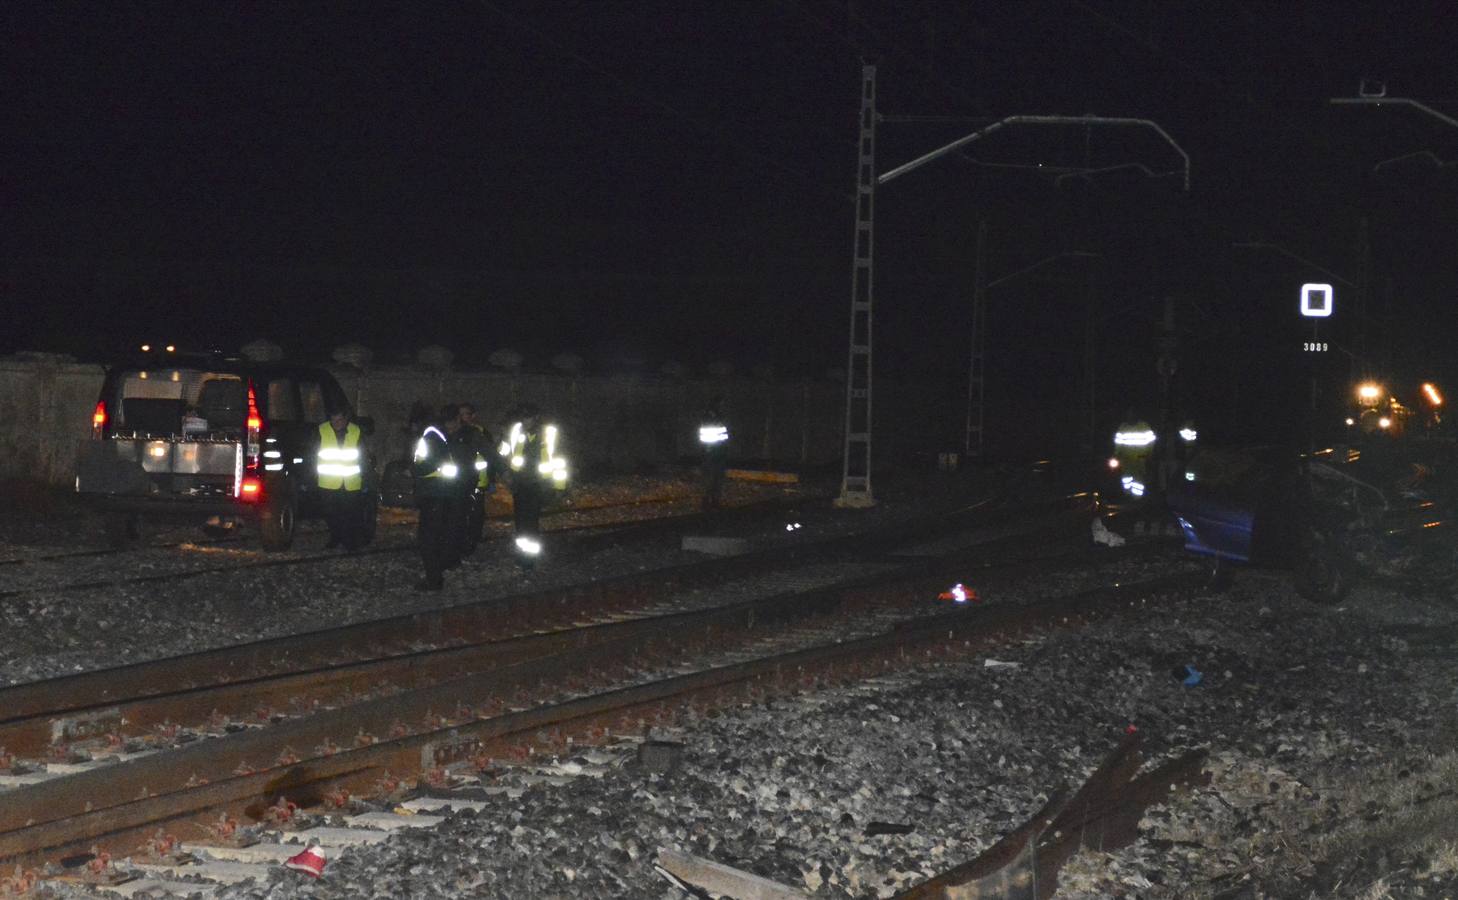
(521, 444)
(339, 463)
(434, 467)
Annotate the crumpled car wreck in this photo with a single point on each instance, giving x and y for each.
(1380, 511)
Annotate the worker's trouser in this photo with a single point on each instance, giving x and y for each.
(439, 536)
(344, 512)
(713, 477)
(474, 510)
(528, 497)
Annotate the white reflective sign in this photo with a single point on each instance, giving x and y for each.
(1316, 300)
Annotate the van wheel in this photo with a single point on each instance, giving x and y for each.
(280, 516)
(122, 529)
(1324, 574)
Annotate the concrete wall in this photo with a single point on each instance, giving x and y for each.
(45, 409)
(609, 423)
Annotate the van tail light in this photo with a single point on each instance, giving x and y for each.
(251, 490)
(253, 447)
(98, 421)
(249, 486)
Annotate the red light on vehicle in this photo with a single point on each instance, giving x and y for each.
(251, 488)
(252, 451)
(255, 421)
(98, 419)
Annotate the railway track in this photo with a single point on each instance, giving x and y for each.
(455, 759)
(438, 714)
(177, 560)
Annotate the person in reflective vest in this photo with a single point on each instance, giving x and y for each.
(714, 436)
(476, 451)
(439, 497)
(340, 472)
(1184, 449)
(530, 450)
(1133, 445)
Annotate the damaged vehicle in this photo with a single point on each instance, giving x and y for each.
(1382, 510)
(219, 440)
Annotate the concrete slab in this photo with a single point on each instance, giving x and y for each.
(389, 821)
(222, 872)
(254, 853)
(154, 886)
(29, 778)
(432, 804)
(340, 837)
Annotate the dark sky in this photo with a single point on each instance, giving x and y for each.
(637, 182)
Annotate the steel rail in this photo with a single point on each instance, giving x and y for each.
(258, 698)
(1102, 816)
(117, 718)
(383, 637)
(305, 781)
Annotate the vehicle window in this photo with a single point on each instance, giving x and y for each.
(313, 396)
(283, 402)
(179, 401)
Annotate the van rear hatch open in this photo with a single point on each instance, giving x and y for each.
(167, 433)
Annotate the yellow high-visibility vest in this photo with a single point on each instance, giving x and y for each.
(339, 463)
(550, 466)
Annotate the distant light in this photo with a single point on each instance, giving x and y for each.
(529, 546)
(1384, 422)
(1189, 476)
(171, 349)
(1113, 463)
(1189, 434)
(1431, 392)
(1369, 392)
(142, 375)
(1316, 300)
(1351, 421)
(146, 348)
(1134, 438)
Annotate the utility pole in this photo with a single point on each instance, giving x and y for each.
(1166, 365)
(855, 483)
(975, 445)
(1361, 369)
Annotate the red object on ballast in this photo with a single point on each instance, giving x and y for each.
(310, 862)
(960, 593)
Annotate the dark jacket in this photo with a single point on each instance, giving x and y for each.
(435, 467)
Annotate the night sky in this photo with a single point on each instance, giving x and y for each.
(643, 182)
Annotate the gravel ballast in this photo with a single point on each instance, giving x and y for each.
(1330, 734)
